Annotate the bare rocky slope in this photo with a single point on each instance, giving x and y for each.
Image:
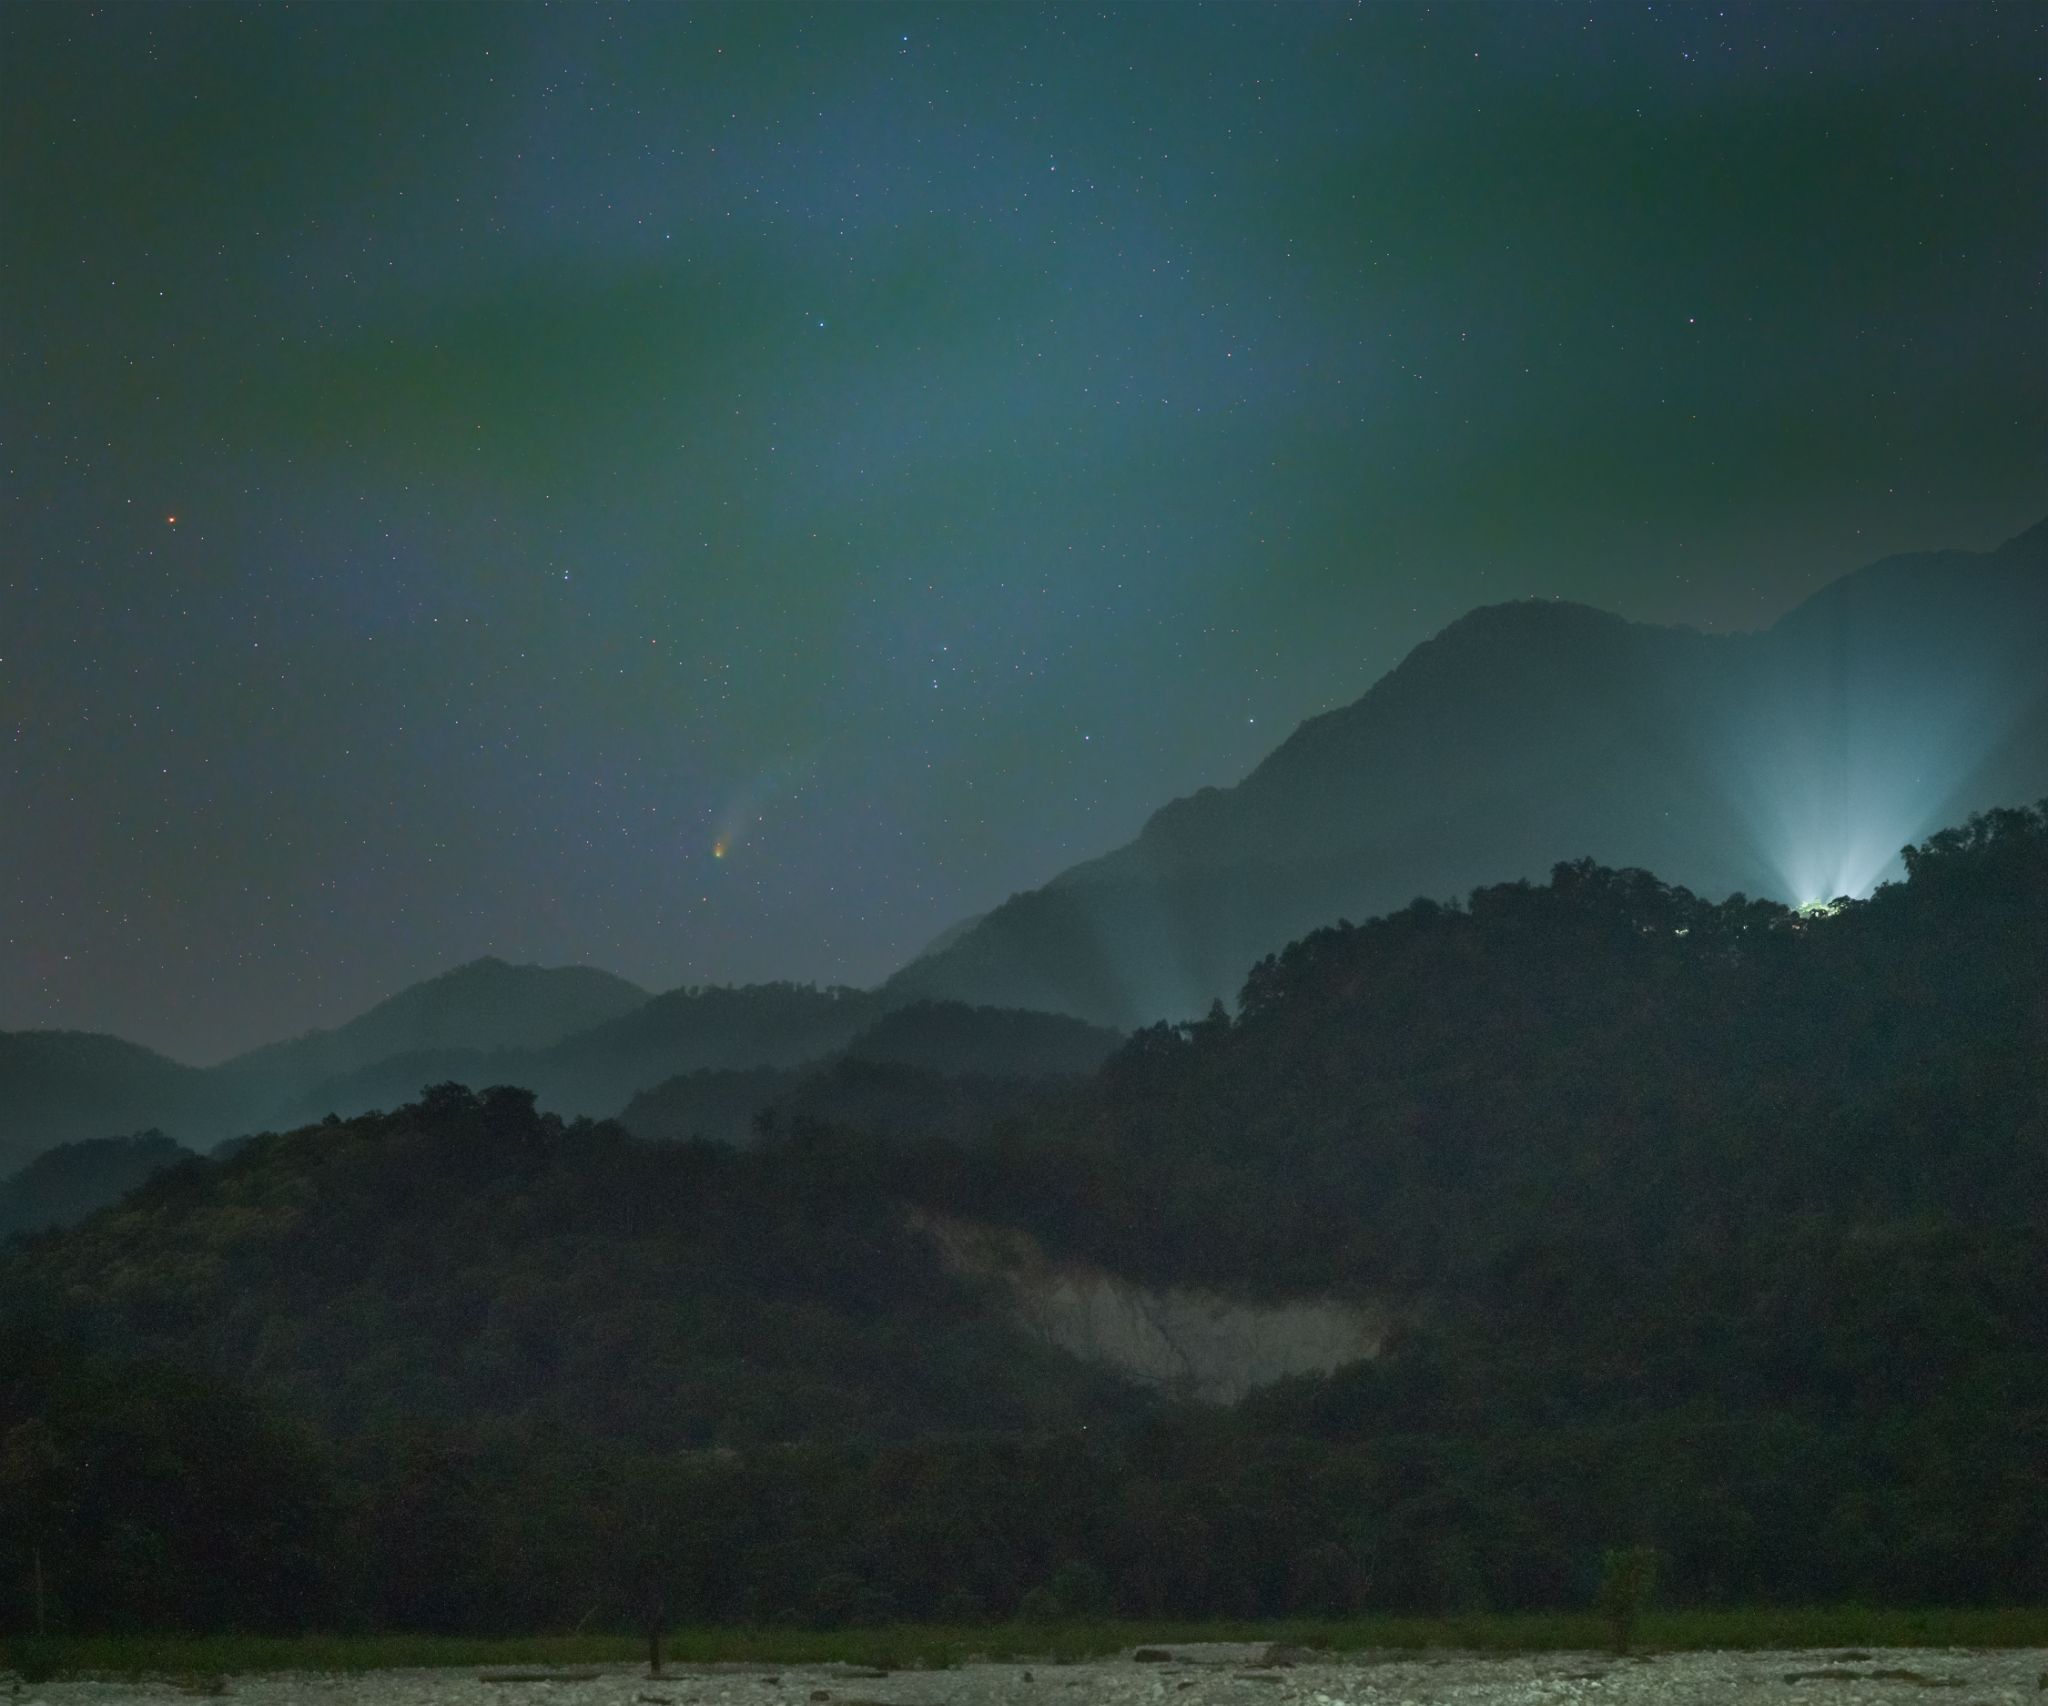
(1185, 1342)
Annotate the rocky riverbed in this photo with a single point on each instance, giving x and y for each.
(1186, 1676)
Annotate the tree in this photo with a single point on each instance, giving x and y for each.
(1628, 1576)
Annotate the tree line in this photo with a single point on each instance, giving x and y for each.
(1710, 1228)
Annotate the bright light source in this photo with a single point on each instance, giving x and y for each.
(1845, 744)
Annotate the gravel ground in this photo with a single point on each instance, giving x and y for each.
(1190, 1676)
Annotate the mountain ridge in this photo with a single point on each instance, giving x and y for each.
(93, 1085)
(1793, 760)
(486, 1002)
(1495, 1220)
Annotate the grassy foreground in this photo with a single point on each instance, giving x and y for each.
(932, 1646)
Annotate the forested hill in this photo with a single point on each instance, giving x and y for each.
(1600, 1066)
(1603, 1058)
(466, 1257)
(932, 1068)
(1708, 1224)
(691, 1062)
(1789, 762)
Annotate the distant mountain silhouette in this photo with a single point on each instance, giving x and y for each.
(763, 1024)
(712, 1104)
(884, 1098)
(64, 1185)
(597, 1071)
(65, 1086)
(486, 1004)
(1791, 763)
(466, 1026)
(1619, 1164)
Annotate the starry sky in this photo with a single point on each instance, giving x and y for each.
(722, 493)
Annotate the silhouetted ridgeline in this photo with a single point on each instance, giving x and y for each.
(67, 1183)
(72, 1086)
(63, 1087)
(484, 1005)
(596, 1071)
(1791, 762)
(59, 1087)
(1705, 1226)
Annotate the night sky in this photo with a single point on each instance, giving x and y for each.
(723, 493)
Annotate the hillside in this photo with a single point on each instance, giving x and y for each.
(952, 1038)
(484, 1005)
(1397, 1109)
(932, 1069)
(1791, 763)
(468, 1258)
(1709, 1225)
(65, 1184)
(1602, 1062)
(585, 1040)
(853, 1093)
(69, 1086)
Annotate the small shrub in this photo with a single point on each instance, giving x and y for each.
(32, 1658)
(1076, 1589)
(961, 1606)
(1628, 1576)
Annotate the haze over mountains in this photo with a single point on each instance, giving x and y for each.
(1586, 1209)
(61, 1087)
(66, 1184)
(1791, 763)
(67, 1086)
(486, 1004)
(1532, 1208)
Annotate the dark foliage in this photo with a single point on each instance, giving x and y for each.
(1605, 1064)
(1712, 1229)
(154, 1498)
(953, 1039)
(712, 1104)
(468, 1258)
(906, 1102)
(932, 1069)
